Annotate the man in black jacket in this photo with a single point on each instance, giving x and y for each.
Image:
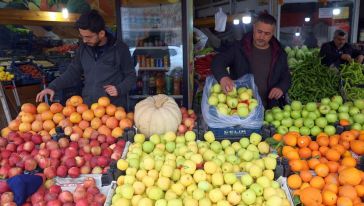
(258, 53)
(106, 64)
(338, 51)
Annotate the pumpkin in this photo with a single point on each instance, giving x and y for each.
(357, 146)
(157, 115)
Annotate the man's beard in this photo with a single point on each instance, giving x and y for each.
(96, 44)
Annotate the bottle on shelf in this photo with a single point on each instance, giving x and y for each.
(145, 83)
(152, 85)
(159, 82)
(139, 85)
(169, 84)
(177, 77)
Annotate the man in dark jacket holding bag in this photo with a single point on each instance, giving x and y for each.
(261, 54)
(105, 63)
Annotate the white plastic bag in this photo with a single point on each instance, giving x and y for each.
(216, 120)
(201, 40)
(220, 20)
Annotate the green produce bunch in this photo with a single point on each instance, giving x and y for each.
(353, 80)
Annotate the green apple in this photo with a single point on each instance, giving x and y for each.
(170, 146)
(216, 146)
(270, 163)
(321, 122)
(298, 122)
(359, 103)
(338, 99)
(287, 122)
(296, 105)
(155, 139)
(295, 114)
(230, 178)
(232, 102)
(204, 186)
(148, 146)
(268, 116)
(264, 181)
(286, 114)
(155, 193)
(278, 116)
(127, 191)
(308, 123)
(255, 171)
(304, 113)
(276, 123)
(246, 179)
(243, 111)
(209, 136)
(334, 105)
(244, 96)
(325, 101)
(324, 109)
(330, 130)
(354, 110)
(331, 117)
(356, 126)
(305, 131)
(213, 100)
(233, 92)
(263, 148)
(190, 136)
(344, 115)
(282, 130)
(287, 108)
(139, 138)
(244, 142)
(223, 110)
(359, 118)
(247, 155)
(252, 106)
(216, 88)
(255, 138)
(258, 189)
(312, 115)
(294, 129)
(343, 109)
(268, 192)
(241, 90)
(276, 110)
(249, 197)
(311, 106)
(221, 97)
(315, 130)
(225, 143)
(273, 201)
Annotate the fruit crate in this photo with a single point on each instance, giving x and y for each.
(283, 183)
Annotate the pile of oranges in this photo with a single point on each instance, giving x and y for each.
(325, 170)
(75, 118)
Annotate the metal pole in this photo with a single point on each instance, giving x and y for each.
(118, 20)
(5, 104)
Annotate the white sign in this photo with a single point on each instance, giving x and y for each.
(325, 13)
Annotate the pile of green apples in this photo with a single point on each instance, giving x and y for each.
(171, 170)
(236, 102)
(313, 118)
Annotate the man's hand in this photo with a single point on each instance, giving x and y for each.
(360, 59)
(346, 57)
(111, 90)
(226, 84)
(275, 93)
(44, 92)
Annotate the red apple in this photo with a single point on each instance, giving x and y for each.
(44, 152)
(93, 190)
(62, 171)
(71, 152)
(96, 151)
(30, 164)
(75, 137)
(102, 161)
(94, 143)
(55, 154)
(74, 172)
(18, 140)
(50, 172)
(82, 202)
(89, 182)
(66, 197)
(87, 149)
(85, 169)
(14, 158)
(110, 140)
(3, 142)
(55, 162)
(20, 164)
(70, 162)
(7, 197)
(80, 161)
(44, 162)
(46, 138)
(52, 145)
(55, 189)
(96, 170)
(101, 138)
(182, 129)
(37, 139)
(15, 171)
(4, 171)
(54, 203)
(63, 142)
(87, 157)
(107, 152)
(41, 203)
(4, 187)
(100, 198)
(79, 194)
(82, 142)
(28, 146)
(74, 145)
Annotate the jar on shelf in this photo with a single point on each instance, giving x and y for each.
(177, 79)
(152, 84)
(159, 82)
(169, 84)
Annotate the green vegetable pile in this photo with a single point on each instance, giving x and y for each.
(353, 80)
(312, 81)
(204, 51)
(296, 55)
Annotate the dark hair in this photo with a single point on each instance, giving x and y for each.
(339, 32)
(266, 18)
(92, 21)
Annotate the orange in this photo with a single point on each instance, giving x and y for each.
(328, 197)
(316, 154)
(344, 201)
(286, 150)
(313, 145)
(332, 155)
(347, 191)
(347, 136)
(341, 149)
(322, 140)
(332, 178)
(294, 181)
(75, 100)
(317, 182)
(303, 141)
(322, 170)
(304, 153)
(290, 139)
(350, 176)
(295, 165)
(313, 162)
(103, 101)
(277, 137)
(310, 196)
(334, 140)
(359, 190)
(323, 150)
(348, 161)
(333, 166)
(306, 176)
(346, 144)
(331, 187)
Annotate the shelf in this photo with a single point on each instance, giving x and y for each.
(145, 96)
(152, 29)
(154, 68)
(151, 47)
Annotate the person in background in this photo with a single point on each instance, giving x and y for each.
(338, 51)
(311, 40)
(104, 62)
(261, 54)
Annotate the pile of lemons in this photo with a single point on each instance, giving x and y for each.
(4, 75)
